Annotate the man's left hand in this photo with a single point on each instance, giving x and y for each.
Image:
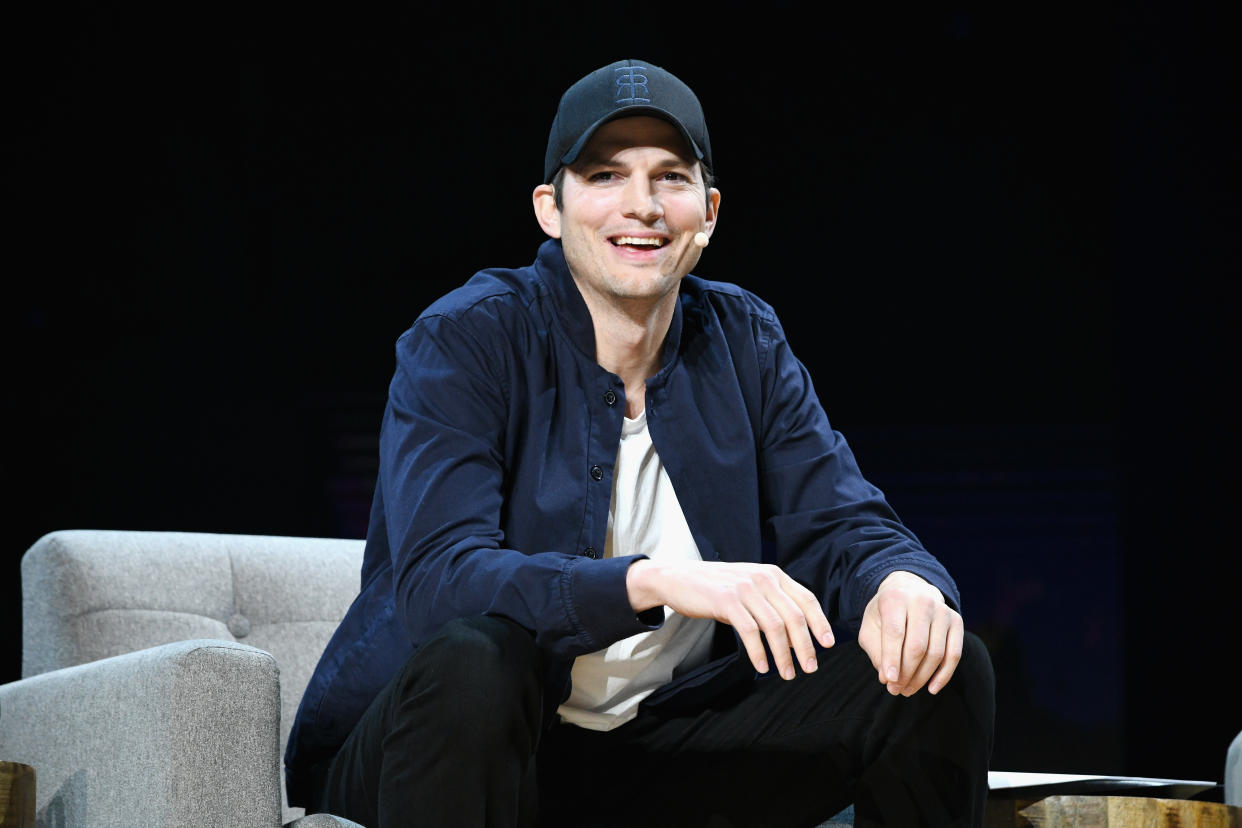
(911, 634)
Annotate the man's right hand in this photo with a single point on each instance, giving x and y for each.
(752, 598)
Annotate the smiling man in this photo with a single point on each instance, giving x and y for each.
(620, 570)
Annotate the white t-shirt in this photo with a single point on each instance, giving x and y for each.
(643, 518)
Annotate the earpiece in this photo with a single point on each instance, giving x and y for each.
(701, 239)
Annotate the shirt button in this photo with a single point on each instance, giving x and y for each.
(610, 397)
(597, 473)
(591, 553)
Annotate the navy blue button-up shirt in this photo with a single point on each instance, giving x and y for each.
(496, 458)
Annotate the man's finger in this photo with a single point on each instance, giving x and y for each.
(774, 629)
(892, 637)
(748, 630)
(920, 618)
(813, 613)
(952, 655)
(794, 624)
(936, 647)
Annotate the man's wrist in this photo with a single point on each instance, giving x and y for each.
(903, 575)
(639, 586)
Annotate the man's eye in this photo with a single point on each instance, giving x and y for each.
(671, 175)
(600, 176)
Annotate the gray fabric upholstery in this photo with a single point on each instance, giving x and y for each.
(1233, 772)
(100, 594)
(138, 739)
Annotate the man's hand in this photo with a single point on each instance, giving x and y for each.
(752, 598)
(911, 634)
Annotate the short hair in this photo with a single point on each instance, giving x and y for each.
(559, 179)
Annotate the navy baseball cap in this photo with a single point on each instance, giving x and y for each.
(622, 89)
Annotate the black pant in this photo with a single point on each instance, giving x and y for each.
(456, 740)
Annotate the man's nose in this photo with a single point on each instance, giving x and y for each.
(639, 200)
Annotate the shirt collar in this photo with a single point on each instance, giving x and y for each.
(572, 309)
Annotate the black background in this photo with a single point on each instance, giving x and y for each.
(1004, 243)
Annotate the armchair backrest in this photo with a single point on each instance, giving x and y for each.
(91, 594)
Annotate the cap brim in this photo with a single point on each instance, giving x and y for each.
(626, 112)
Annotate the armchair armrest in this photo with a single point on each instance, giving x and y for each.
(181, 734)
(322, 821)
(1233, 772)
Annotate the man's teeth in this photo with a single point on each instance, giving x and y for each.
(641, 241)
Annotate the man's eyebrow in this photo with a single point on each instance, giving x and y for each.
(677, 161)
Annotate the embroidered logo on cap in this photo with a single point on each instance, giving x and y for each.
(631, 84)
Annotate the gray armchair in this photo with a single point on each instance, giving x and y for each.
(161, 672)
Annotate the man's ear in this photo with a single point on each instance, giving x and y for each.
(713, 211)
(549, 218)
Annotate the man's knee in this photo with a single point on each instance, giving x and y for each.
(971, 694)
(475, 662)
(974, 672)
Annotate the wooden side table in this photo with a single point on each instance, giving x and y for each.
(17, 795)
(1111, 812)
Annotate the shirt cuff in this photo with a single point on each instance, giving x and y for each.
(600, 604)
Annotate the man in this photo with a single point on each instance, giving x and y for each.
(613, 534)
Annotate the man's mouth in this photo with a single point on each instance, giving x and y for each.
(639, 242)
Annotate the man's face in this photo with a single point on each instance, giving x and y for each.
(631, 205)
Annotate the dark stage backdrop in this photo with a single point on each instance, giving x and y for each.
(1001, 241)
